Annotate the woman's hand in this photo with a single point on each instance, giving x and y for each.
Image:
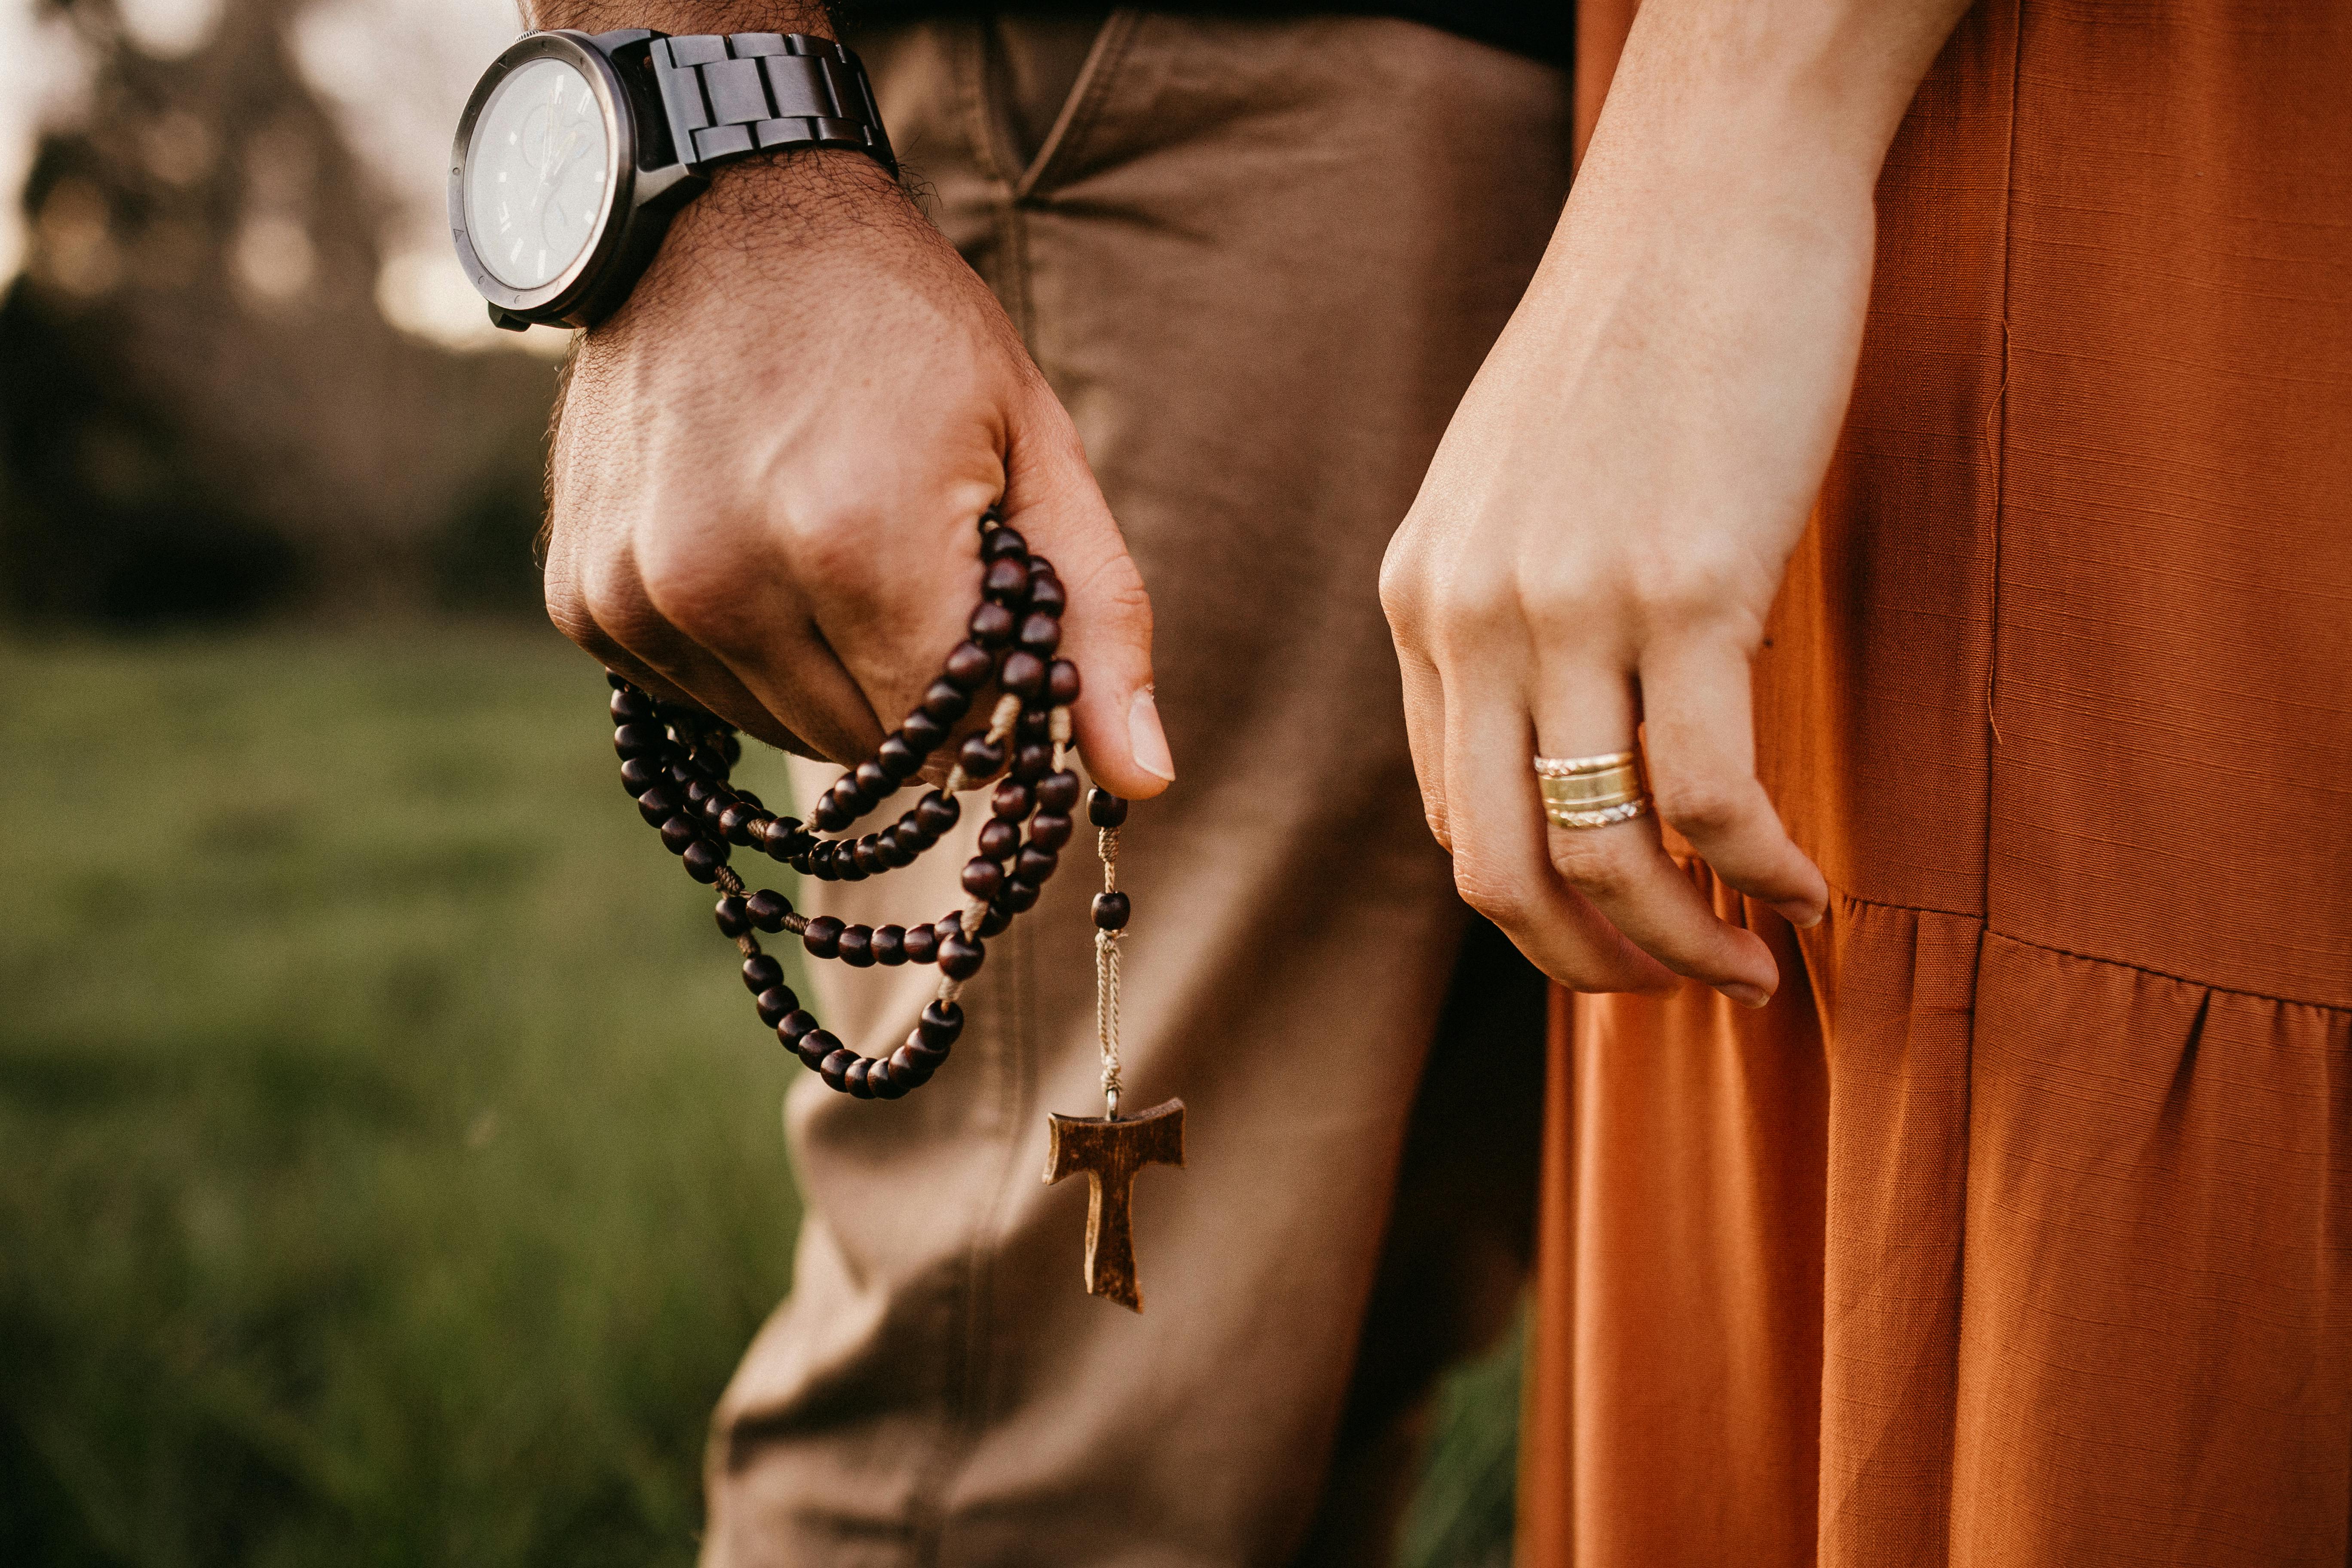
(1604, 528)
(771, 462)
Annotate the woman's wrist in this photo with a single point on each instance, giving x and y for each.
(1758, 97)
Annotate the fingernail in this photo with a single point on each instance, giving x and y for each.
(1148, 739)
(1801, 915)
(1747, 996)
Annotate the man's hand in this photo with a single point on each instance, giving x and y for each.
(770, 462)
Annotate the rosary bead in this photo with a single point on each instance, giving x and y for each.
(639, 741)
(1020, 896)
(883, 1080)
(1035, 864)
(889, 946)
(831, 813)
(922, 734)
(714, 809)
(895, 759)
(639, 775)
(678, 833)
(1111, 911)
(747, 798)
(856, 947)
(1104, 809)
(1040, 632)
(939, 1025)
(910, 1068)
(731, 748)
(734, 916)
(762, 972)
(969, 668)
(1062, 682)
(1000, 542)
(922, 943)
(886, 851)
(1049, 829)
(960, 956)
(785, 839)
(1034, 724)
(736, 823)
(1011, 801)
(999, 838)
(618, 682)
(868, 855)
(835, 1068)
(944, 702)
(845, 863)
(855, 1080)
(982, 877)
(937, 812)
(1045, 594)
(908, 835)
(658, 805)
(1007, 581)
(991, 626)
(874, 782)
(703, 858)
(1023, 674)
(767, 910)
(822, 937)
(998, 917)
(980, 757)
(776, 1003)
(1057, 791)
(813, 1047)
(796, 1026)
(1031, 761)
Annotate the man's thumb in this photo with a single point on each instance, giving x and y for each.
(1053, 500)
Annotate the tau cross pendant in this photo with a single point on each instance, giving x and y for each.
(1109, 1152)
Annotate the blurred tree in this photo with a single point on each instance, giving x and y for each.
(202, 409)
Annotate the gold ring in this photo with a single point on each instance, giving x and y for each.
(1592, 791)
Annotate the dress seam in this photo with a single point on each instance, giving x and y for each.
(1985, 926)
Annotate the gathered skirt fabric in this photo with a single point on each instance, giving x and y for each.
(2017, 1231)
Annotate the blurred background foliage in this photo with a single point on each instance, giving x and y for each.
(386, 1172)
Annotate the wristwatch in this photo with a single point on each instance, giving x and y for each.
(576, 149)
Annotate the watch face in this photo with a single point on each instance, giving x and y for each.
(536, 178)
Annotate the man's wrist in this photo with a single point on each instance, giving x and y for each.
(683, 18)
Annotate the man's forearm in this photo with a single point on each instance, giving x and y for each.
(683, 15)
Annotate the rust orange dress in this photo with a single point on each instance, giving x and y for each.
(2017, 1232)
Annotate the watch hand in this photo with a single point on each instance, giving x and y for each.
(563, 159)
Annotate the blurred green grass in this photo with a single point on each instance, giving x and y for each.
(387, 1170)
(390, 1171)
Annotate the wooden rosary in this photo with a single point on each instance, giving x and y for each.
(675, 762)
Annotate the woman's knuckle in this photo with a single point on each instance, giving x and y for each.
(1597, 867)
(1700, 808)
(1499, 898)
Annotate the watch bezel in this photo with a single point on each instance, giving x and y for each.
(558, 299)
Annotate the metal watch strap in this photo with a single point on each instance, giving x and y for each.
(727, 95)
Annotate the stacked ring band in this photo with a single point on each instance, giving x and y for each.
(1592, 791)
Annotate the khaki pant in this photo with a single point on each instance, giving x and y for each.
(1259, 261)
